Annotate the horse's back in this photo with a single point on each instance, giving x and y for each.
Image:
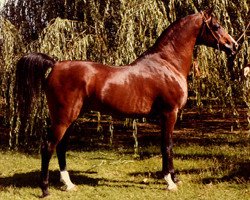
(73, 75)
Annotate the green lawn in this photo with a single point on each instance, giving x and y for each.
(208, 172)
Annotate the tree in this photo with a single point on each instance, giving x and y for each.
(114, 32)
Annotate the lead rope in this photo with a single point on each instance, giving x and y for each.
(244, 32)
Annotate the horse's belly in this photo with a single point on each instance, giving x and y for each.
(131, 106)
(122, 105)
(139, 106)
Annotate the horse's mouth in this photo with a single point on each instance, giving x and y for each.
(231, 49)
(231, 53)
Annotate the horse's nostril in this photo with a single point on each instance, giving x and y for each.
(236, 46)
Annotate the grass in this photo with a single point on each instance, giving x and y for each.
(212, 161)
(208, 172)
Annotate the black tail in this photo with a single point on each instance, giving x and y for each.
(30, 79)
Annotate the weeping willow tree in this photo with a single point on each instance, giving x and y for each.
(11, 47)
(116, 32)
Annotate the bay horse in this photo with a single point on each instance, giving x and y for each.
(156, 82)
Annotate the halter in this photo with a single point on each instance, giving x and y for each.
(217, 38)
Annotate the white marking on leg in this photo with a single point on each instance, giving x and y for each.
(65, 179)
(171, 185)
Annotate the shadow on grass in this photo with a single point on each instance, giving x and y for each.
(239, 173)
(32, 179)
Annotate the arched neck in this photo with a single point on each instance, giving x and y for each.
(176, 44)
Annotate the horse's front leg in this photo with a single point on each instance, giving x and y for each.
(168, 123)
(61, 155)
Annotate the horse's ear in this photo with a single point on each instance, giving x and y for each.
(208, 12)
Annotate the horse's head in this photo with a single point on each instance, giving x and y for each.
(214, 35)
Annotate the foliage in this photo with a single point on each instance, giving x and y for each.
(113, 32)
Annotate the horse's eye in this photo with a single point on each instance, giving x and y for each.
(216, 27)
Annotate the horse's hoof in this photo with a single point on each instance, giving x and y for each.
(178, 182)
(172, 188)
(44, 195)
(74, 188)
(69, 188)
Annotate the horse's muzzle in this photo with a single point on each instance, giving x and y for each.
(231, 49)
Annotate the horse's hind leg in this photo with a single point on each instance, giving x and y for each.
(54, 136)
(61, 155)
(46, 154)
(64, 109)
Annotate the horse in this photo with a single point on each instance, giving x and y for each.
(155, 83)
